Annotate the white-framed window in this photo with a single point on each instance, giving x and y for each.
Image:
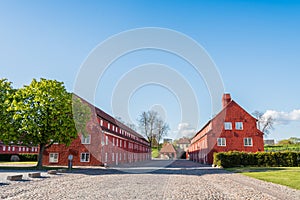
(20, 148)
(23, 148)
(86, 140)
(113, 141)
(108, 125)
(120, 143)
(113, 127)
(85, 157)
(239, 125)
(117, 142)
(4, 148)
(124, 144)
(248, 142)
(13, 148)
(116, 129)
(222, 142)
(8, 148)
(53, 158)
(112, 156)
(101, 122)
(105, 157)
(227, 125)
(27, 149)
(106, 140)
(32, 149)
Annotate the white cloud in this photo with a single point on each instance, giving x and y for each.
(185, 130)
(283, 117)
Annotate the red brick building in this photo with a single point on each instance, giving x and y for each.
(109, 143)
(233, 129)
(17, 149)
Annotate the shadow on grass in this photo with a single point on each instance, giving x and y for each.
(254, 169)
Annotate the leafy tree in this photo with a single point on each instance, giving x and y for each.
(43, 111)
(6, 118)
(264, 124)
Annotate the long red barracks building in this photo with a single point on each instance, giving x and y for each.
(233, 129)
(109, 142)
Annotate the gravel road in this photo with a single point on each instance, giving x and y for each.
(180, 180)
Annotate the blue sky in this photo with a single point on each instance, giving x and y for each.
(254, 44)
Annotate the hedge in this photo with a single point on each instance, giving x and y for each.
(23, 157)
(265, 159)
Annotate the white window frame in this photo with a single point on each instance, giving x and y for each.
(53, 157)
(120, 143)
(221, 142)
(117, 142)
(248, 142)
(239, 126)
(8, 148)
(4, 148)
(86, 140)
(85, 157)
(113, 141)
(101, 122)
(108, 126)
(106, 140)
(105, 157)
(227, 126)
(13, 148)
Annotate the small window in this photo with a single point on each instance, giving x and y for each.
(124, 144)
(53, 158)
(8, 148)
(85, 157)
(106, 140)
(222, 142)
(117, 142)
(13, 148)
(101, 122)
(20, 148)
(120, 143)
(248, 142)
(228, 126)
(86, 140)
(108, 126)
(113, 157)
(105, 157)
(239, 125)
(4, 147)
(113, 141)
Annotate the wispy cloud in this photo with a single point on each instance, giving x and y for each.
(185, 130)
(283, 117)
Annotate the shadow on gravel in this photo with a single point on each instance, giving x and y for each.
(3, 184)
(178, 167)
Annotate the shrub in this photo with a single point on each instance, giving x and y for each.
(268, 159)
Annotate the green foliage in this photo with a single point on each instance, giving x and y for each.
(155, 153)
(6, 117)
(277, 148)
(268, 159)
(44, 112)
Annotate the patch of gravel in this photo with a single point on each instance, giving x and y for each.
(180, 184)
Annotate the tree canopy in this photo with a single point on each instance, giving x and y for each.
(41, 114)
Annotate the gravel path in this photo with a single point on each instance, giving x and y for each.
(180, 180)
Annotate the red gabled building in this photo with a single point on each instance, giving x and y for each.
(233, 129)
(109, 142)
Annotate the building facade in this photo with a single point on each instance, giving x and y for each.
(109, 143)
(233, 129)
(17, 149)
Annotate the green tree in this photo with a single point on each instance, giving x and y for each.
(6, 118)
(43, 113)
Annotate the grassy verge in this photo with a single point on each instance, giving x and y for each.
(288, 176)
(19, 163)
(155, 153)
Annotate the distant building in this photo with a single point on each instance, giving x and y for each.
(14, 149)
(168, 151)
(183, 143)
(233, 129)
(168, 140)
(269, 142)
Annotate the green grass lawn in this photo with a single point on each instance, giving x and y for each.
(19, 163)
(288, 176)
(155, 153)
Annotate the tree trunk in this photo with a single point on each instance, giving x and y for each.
(40, 157)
